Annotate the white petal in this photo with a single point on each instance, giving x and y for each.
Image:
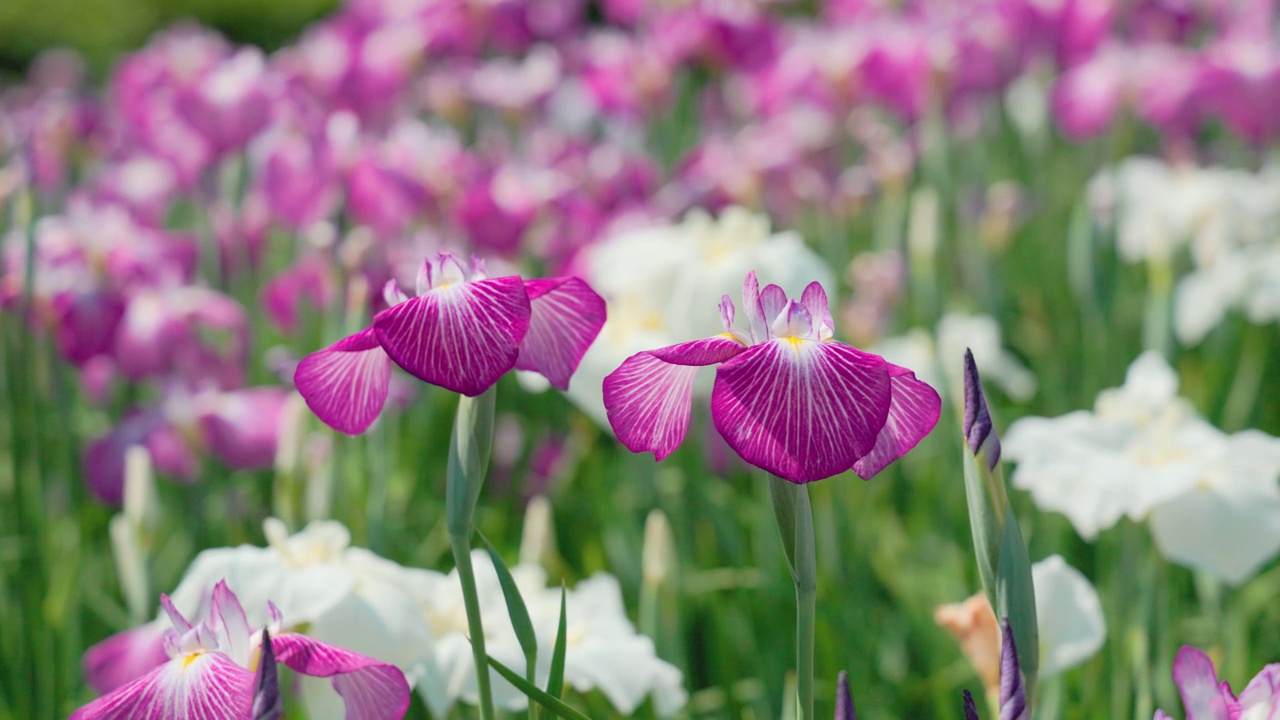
(1069, 612)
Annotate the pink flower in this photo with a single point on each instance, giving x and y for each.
(210, 672)
(788, 398)
(463, 332)
(1204, 698)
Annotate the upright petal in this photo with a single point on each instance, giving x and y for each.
(913, 413)
(802, 409)
(370, 689)
(565, 316)
(1197, 683)
(751, 306)
(230, 626)
(773, 300)
(205, 686)
(978, 428)
(461, 337)
(346, 384)
(1263, 691)
(814, 300)
(649, 396)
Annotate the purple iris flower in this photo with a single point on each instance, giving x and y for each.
(1205, 698)
(211, 671)
(788, 398)
(463, 332)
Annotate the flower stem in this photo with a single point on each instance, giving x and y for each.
(469, 450)
(795, 524)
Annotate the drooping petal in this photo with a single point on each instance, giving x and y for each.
(204, 686)
(565, 316)
(229, 624)
(461, 337)
(1197, 683)
(124, 657)
(913, 413)
(801, 409)
(648, 397)
(346, 384)
(370, 689)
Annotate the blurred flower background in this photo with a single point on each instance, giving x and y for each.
(197, 195)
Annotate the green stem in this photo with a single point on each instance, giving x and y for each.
(469, 451)
(795, 524)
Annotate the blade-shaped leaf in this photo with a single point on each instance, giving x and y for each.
(535, 694)
(984, 522)
(1016, 600)
(516, 609)
(555, 683)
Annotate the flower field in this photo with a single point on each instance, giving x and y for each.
(635, 358)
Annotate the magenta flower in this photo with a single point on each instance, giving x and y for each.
(1205, 698)
(211, 670)
(788, 398)
(463, 332)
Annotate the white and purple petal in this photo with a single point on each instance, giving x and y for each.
(1197, 683)
(801, 409)
(1262, 694)
(565, 316)
(773, 302)
(648, 397)
(346, 384)
(462, 337)
(814, 300)
(202, 686)
(229, 624)
(913, 412)
(751, 306)
(370, 689)
(124, 657)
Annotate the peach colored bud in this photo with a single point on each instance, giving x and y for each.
(973, 625)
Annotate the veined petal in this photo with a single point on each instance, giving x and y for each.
(124, 657)
(229, 623)
(1197, 683)
(204, 686)
(648, 397)
(345, 384)
(370, 689)
(773, 300)
(814, 300)
(913, 412)
(751, 306)
(1263, 692)
(461, 337)
(565, 316)
(802, 409)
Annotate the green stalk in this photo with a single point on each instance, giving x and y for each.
(469, 451)
(795, 525)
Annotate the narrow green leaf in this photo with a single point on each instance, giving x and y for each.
(984, 523)
(534, 693)
(516, 609)
(1016, 599)
(555, 683)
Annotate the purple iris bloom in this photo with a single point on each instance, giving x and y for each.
(211, 668)
(1205, 698)
(463, 332)
(787, 398)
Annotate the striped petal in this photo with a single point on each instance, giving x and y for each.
(124, 657)
(345, 384)
(461, 337)
(565, 316)
(913, 412)
(1197, 683)
(229, 624)
(801, 409)
(204, 686)
(649, 396)
(370, 689)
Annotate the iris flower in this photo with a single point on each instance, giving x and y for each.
(211, 670)
(1205, 698)
(462, 332)
(787, 397)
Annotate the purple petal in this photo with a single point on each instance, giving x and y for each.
(1197, 683)
(648, 397)
(844, 701)
(346, 384)
(229, 623)
(978, 428)
(814, 300)
(970, 710)
(242, 427)
(370, 689)
(1263, 690)
(773, 300)
(204, 686)
(268, 704)
(913, 413)
(124, 657)
(1013, 690)
(461, 337)
(565, 316)
(801, 409)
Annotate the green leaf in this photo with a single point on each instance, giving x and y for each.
(1016, 599)
(554, 704)
(555, 683)
(516, 609)
(984, 522)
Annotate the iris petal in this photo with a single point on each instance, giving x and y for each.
(801, 409)
(1197, 683)
(565, 316)
(370, 689)
(648, 397)
(345, 384)
(461, 337)
(207, 686)
(913, 412)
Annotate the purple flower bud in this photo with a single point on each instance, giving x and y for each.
(978, 429)
(267, 702)
(970, 710)
(1013, 691)
(844, 701)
